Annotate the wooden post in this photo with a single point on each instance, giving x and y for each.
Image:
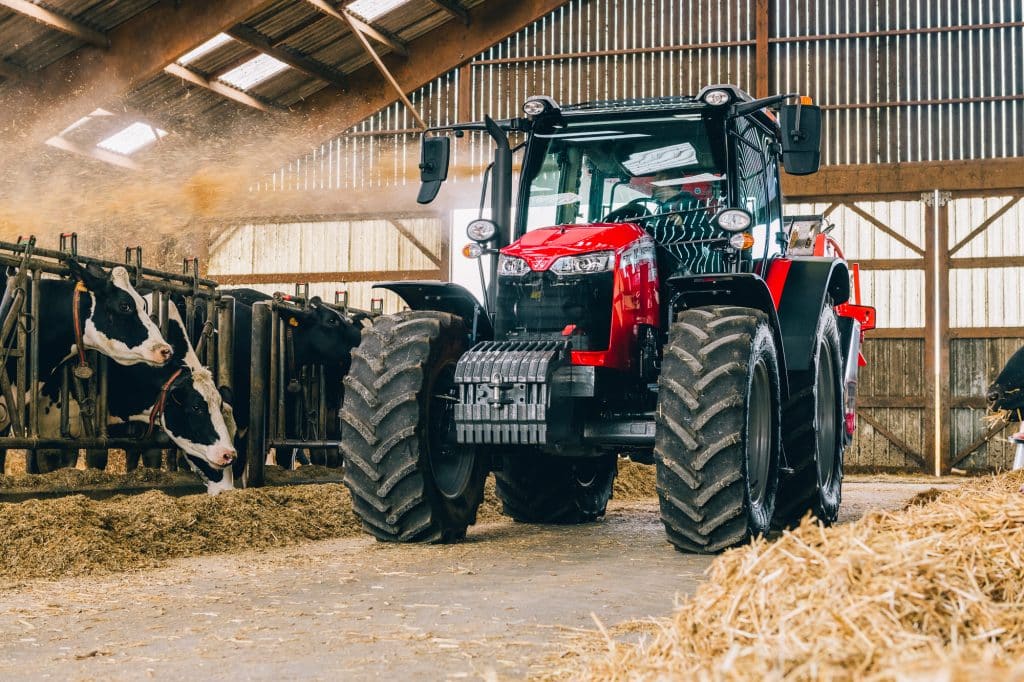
(761, 48)
(936, 339)
(945, 413)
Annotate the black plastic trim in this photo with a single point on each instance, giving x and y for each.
(445, 297)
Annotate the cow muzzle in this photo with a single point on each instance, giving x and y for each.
(160, 353)
(223, 457)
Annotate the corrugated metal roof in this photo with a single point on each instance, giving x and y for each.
(189, 110)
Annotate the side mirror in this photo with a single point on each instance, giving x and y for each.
(801, 138)
(434, 153)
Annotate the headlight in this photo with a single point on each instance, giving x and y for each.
(733, 220)
(511, 266)
(481, 230)
(587, 264)
(717, 98)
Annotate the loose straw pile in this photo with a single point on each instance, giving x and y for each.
(932, 592)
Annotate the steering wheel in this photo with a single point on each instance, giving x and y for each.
(634, 209)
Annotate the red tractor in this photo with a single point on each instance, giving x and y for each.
(649, 299)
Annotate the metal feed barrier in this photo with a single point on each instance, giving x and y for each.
(19, 344)
(290, 400)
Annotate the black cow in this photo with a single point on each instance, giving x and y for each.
(1007, 394)
(321, 336)
(112, 320)
(1007, 391)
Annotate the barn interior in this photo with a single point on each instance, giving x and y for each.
(275, 145)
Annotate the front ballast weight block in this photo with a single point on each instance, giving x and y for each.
(506, 391)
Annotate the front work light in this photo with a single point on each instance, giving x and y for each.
(717, 98)
(472, 250)
(539, 104)
(733, 220)
(587, 264)
(481, 230)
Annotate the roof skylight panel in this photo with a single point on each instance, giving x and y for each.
(373, 9)
(205, 49)
(131, 139)
(253, 72)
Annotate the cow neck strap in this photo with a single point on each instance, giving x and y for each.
(161, 402)
(83, 370)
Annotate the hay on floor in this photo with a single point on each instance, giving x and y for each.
(934, 591)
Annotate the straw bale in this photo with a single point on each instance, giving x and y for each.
(934, 592)
(635, 481)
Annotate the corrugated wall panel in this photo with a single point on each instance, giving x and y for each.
(860, 59)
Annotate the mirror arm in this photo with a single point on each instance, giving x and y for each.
(745, 108)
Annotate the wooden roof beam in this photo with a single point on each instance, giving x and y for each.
(93, 153)
(300, 62)
(382, 37)
(12, 71)
(190, 76)
(57, 22)
(453, 8)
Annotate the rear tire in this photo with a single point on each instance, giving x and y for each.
(537, 488)
(410, 481)
(813, 433)
(718, 440)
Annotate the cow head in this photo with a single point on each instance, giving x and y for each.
(322, 334)
(194, 415)
(1007, 391)
(116, 324)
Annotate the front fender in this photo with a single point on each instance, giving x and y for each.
(445, 297)
(808, 283)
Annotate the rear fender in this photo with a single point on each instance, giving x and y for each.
(809, 281)
(445, 297)
(739, 289)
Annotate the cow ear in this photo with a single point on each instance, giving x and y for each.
(92, 276)
(298, 316)
(315, 301)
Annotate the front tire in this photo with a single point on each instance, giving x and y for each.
(409, 480)
(718, 439)
(813, 432)
(537, 488)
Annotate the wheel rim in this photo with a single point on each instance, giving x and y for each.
(825, 418)
(450, 463)
(759, 435)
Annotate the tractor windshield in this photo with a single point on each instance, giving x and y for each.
(666, 173)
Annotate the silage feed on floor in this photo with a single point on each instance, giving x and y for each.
(931, 592)
(74, 535)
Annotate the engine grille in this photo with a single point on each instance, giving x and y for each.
(541, 303)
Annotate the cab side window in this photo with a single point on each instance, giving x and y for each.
(751, 176)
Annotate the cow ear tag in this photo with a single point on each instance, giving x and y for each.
(80, 287)
(293, 322)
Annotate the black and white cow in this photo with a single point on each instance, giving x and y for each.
(181, 398)
(112, 320)
(188, 406)
(321, 336)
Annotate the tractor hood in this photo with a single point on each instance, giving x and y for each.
(542, 247)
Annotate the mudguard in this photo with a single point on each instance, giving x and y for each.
(445, 297)
(741, 289)
(809, 280)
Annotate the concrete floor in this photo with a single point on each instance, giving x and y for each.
(494, 606)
